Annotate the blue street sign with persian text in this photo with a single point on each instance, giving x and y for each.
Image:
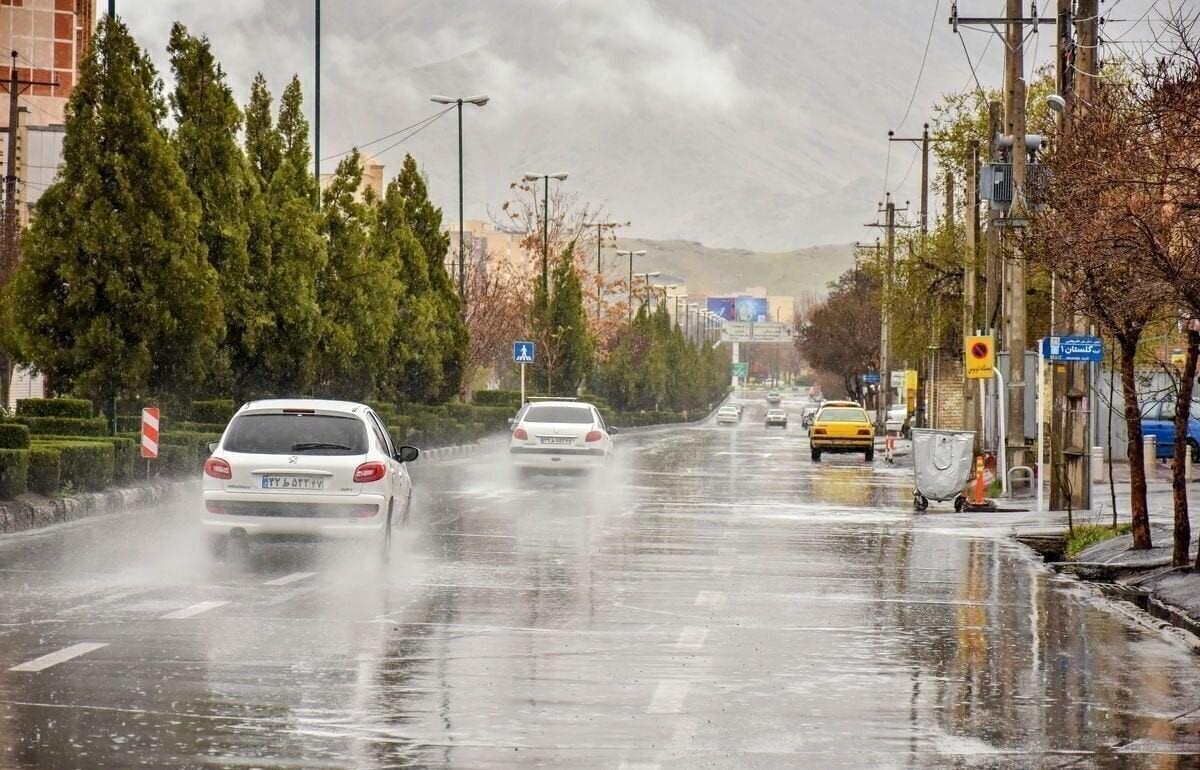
(1078, 348)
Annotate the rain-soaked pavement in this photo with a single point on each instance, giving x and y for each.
(718, 602)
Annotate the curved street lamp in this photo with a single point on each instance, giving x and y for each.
(459, 101)
(533, 177)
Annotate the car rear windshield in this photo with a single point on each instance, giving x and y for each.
(289, 434)
(571, 414)
(842, 414)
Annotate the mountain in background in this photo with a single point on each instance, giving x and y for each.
(709, 271)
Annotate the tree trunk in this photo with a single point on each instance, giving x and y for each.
(1138, 515)
(1183, 408)
(6, 371)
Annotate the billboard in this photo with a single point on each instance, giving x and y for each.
(741, 308)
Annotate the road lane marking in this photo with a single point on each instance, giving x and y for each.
(692, 637)
(668, 698)
(295, 577)
(194, 610)
(63, 655)
(710, 599)
(639, 766)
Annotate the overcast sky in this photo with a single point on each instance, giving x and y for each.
(758, 123)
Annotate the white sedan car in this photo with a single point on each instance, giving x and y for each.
(728, 415)
(306, 468)
(560, 435)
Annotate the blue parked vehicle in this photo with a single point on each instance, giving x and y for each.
(1159, 421)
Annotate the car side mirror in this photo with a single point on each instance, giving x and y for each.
(612, 430)
(212, 446)
(512, 421)
(406, 454)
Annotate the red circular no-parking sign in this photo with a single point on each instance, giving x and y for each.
(979, 350)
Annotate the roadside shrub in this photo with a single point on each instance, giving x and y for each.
(13, 435)
(192, 427)
(54, 407)
(45, 470)
(216, 411)
(199, 440)
(510, 399)
(178, 460)
(14, 472)
(1087, 535)
(65, 426)
(125, 452)
(86, 465)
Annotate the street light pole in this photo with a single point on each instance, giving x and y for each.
(458, 102)
(533, 177)
(631, 254)
(599, 266)
(316, 98)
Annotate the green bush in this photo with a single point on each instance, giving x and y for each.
(54, 407)
(126, 452)
(197, 439)
(14, 472)
(194, 427)
(510, 399)
(13, 435)
(65, 426)
(216, 411)
(45, 470)
(178, 460)
(86, 465)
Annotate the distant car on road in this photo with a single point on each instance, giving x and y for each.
(1159, 421)
(728, 415)
(773, 397)
(897, 420)
(559, 435)
(842, 426)
(776, 417)
(306, 468)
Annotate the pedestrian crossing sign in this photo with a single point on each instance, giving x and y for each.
(524, 352)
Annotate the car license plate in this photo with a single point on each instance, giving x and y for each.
(292, 482)
(557, 440)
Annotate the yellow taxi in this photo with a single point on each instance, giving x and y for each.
(842, 426)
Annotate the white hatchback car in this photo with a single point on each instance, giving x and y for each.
(306, 468)
(728, 415)
(560, 435)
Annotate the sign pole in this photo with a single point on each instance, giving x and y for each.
(1001, 422)
(522, 384)
(1041, 427)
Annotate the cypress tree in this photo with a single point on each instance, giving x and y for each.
(354, 291)
(205, 140)
(118, 294)
(425, 221)
(285, 244)
(560, 325)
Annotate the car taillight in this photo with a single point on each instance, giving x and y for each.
(372, 471)
(593, 435)
(217, 468)
(818, 431)
(520, 435)
(864, 431)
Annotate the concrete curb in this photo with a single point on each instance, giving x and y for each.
(461, 450)
(35, 512)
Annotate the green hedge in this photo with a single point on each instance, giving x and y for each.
(65, 426)
(45, 470)
(179, 460)
(187, 426)
(510, 399)
(54, 407)
(86, 465)
(125, 452)
(13, 435)
(14, 472)
(215, 411)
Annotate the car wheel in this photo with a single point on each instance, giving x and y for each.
(218, 547)
(816, 455)
(385, 548)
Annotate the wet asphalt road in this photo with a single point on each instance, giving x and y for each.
(718, 601)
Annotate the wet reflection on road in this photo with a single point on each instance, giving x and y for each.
(716, 600)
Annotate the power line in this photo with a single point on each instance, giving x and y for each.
(924, 57)
(405, 138)
(419, 126)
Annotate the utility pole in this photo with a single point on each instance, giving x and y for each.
(1070, 436)
(970, 270)
(316, 101)
(1014, 338)
(11, 218)
(889, 226)
(923, 142)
